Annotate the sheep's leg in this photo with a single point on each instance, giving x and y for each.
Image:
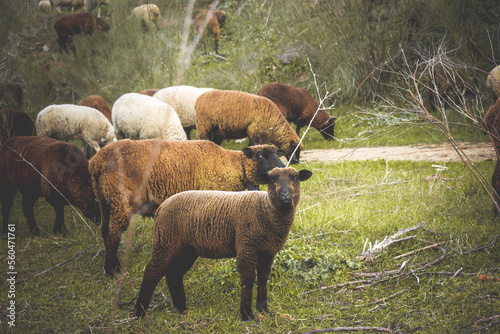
(8, 194)
(111, 241)
(153, 273)
(28, 202)
(297, 130)
(246, 269)
(174, 277)
(59, 226)
(263, 270)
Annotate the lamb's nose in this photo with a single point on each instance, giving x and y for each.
(286, 196)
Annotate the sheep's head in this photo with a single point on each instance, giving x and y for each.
(294, 147)
(263, 158)
(283, 186)
(328, 128)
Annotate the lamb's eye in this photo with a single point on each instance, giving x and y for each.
(295, 179)
(271, 180)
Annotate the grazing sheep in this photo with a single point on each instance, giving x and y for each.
(493, 83)
(149, 92)
(65, 179)
(226, 114)
(138, 116)
(66, 4)
(492, 125)
(299, 106)
(99, 103)
(14, 123)
(214, 20)
(250, 226)
(69, 121)
(77, 23)
(148, 14)
(131, 177)
(182, 99)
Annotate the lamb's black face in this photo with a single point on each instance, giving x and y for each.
(328, 130)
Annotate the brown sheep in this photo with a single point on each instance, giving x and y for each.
(299, 106)
(250, 226)
(14, 123)
(99, 103)
(77, 23)
(149, 92)
(65, 178)
(215, 19)
(492, 125)
(135, 177)
(229, 114)
(493, 83)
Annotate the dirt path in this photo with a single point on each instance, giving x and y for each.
(441, 153)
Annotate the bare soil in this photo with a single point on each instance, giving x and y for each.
(439, 153)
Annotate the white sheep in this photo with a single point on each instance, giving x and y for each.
(148, 14)
(69, 121)
(182, 99)
(139, 116)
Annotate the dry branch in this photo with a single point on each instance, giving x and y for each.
(380, 246)
(418, 250)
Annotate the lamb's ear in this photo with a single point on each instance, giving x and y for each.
(262, 178)
(304, 174)
(332, 120)
(248, 152)
(280, 152)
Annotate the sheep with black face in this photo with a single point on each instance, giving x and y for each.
(251, 226)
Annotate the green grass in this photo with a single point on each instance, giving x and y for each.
(341, 207)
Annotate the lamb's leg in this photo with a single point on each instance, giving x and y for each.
(59, 226)
(263, 270)
(174, 277)
(246, 269)
(297, 130)
(28, 202)
(152, 275)
(8, 194)
(111, 241)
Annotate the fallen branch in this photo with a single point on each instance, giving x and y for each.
(378, 301)
(62, 263)
(380, 246)
(349, 329)
(418, 250)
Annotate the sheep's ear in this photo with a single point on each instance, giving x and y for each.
(332, 120)
(262, 178)
(248, 152)
(293, 143)
(304, 174)
(280, 152)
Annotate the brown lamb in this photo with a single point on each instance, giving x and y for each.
(250, 226)
(135, 177)
(230, 114)
(299, 106)
(99, 103)
(74, 24)
(491, 123)
(217, 18)
(64, 169)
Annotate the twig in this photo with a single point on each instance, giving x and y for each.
(378, 300)
(418, 250)
(442, 279)
(62, 263)
(378, 247)
(349, 329)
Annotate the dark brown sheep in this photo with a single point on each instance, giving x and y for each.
(65, 178)
(149, 92)
(14, 123)
(299, 106)
(251, 226)
(74, 24)
(215, 19)
(99, 103)
(135, 177)
(230, 114)
(492, 125)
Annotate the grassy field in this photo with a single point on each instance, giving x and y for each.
(449, 284)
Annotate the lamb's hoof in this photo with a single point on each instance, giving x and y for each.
(247, 316)
(262, 307)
